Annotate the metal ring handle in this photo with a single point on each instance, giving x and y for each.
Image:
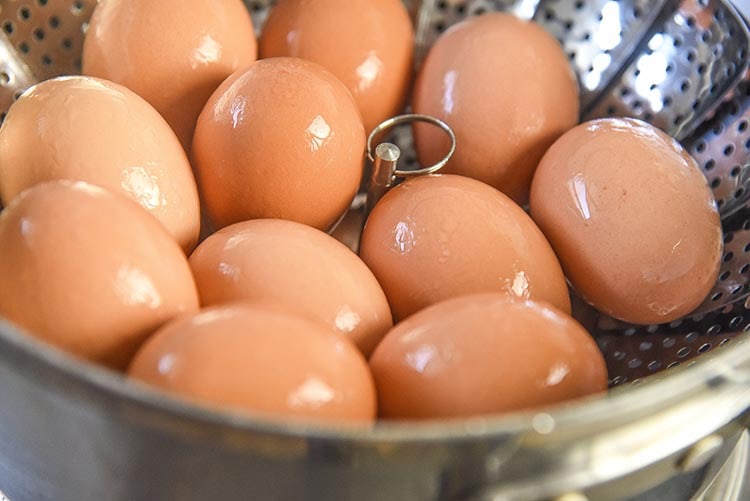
(413, 117)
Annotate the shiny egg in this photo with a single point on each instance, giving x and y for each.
(290, 263)
(89, 271)
(436, 237)
(484, 354)
(262, 361)
(92, 130)
(282, 139)
(506, 88)
(173, 53)
(367, 44)
(632, 219)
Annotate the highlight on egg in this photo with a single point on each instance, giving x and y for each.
(432, 238)
(281, 139)
(172, 53)
(506, 88)
(632, 219)
(293, 264)
(89, 271)
(484, 354)
(263, 361)
(367, 44)
(92, 130)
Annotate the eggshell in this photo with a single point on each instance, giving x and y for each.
(260, 360)
(632, 219)
(89, 271)
(282, 139)
(437, 237)
(367, 44)
(484, 354)
(506, 88)
(293, 264)
(87, 129)
(173, 53)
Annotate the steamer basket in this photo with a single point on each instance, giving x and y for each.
(72, 431)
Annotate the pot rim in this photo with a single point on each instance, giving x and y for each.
(619, 406)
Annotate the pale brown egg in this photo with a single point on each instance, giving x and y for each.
(631, 218)
(437, 237)
(87, 129)
(367, 44)
(289, 263)
(89, 271)
(282, 139)
(173, 53)
(262, 361)
(506, 88)
(484, 354)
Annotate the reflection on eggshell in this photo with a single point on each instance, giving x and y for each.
(282, 139)
(367, 44)
(437, 237)
(484, 354)
(87, 129)
(89, 271)
(260, 360)
(173, 53)
(506, 88)
(632, 219)
(290, 263)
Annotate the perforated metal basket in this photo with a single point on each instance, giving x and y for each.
(69, 430)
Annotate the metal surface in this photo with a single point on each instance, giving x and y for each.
(71, 431)
(383, 164)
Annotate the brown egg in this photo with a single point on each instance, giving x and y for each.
(86, 129)
(367, 44)
(89, 271)
(484, 354)
(260, 360)
(173, 53)
(438, 237)
(631, 218)
(293, 264)
(282, 139)
(506, 88)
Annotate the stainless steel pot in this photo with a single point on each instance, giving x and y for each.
(72, 431)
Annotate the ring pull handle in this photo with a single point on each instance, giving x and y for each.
(384, 171)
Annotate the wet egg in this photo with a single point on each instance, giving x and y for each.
(260, 360)
(506, 88)
(367, 44)
(293, 264)
(89, 271)
(436, 237)
(173, 53)
(281, 139)
(484, 354)
(631, 218)
(87, 129)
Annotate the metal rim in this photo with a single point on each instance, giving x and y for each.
(618, 406)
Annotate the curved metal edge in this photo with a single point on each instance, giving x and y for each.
(620, 406)
(409, 118)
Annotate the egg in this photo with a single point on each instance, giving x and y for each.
(260, 360)
(89, 271)
(484, 354)
(87, 129)
(506, 88)
(282, 139)
(367, 44)
(631, 218)
(173, 53)
(293, 264)
(436, 237)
